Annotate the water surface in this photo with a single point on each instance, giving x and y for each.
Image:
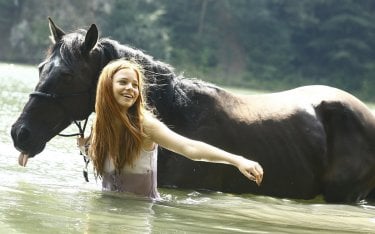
(51, 196)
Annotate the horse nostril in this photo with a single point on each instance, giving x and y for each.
(23, 134)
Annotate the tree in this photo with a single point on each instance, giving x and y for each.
(137, 23)
(335, 44)
(9, 11)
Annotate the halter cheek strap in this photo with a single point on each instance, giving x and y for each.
(56, 98)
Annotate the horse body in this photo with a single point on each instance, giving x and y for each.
(288, 142)
(311, 140)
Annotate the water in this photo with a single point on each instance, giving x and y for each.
(51, 196)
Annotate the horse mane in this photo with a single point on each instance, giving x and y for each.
(70, 48)
(155, 71)
(161, 78)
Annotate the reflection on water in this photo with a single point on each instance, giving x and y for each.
(51, 196)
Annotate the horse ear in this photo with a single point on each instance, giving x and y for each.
(91, 38)
(56, 32)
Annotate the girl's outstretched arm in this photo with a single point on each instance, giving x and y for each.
(197, 150)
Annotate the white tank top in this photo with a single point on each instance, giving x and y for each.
(140, 179)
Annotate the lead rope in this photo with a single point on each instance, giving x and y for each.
(85, 170)
(86, 159)
(81, 129)
(84, 150)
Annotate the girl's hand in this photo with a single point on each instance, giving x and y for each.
(251, 170)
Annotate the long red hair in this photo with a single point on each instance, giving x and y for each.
(122, 143)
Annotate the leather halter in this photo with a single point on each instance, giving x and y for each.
(56, 98)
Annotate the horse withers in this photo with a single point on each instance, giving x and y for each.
(313, 140)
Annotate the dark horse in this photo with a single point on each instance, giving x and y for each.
(311, 141)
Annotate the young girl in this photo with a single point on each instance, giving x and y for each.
(125, 136)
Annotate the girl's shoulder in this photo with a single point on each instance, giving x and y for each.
(149, 121)
(150, 126)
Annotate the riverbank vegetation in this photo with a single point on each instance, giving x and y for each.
(270, 44)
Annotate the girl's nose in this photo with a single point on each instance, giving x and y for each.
(128, 86)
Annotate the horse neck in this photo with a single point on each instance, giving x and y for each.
(166, 91)
(156, 72)
(159, 76)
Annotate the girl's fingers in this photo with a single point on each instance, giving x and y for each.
(258, 174)
(249, 174)
(254, 173)
(254, 176)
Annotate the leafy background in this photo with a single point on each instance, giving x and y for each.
(268, 44)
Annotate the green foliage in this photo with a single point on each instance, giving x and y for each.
(8, 11)
(137, 23)
(269, 44)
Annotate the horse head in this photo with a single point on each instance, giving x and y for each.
(65, 91)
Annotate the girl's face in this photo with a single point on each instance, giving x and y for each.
(125, 88)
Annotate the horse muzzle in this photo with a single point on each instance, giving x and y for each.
(23, 141)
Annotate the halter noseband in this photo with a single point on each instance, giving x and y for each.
(56, 98)
(81, 129)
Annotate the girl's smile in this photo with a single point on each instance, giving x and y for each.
(125, 87)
